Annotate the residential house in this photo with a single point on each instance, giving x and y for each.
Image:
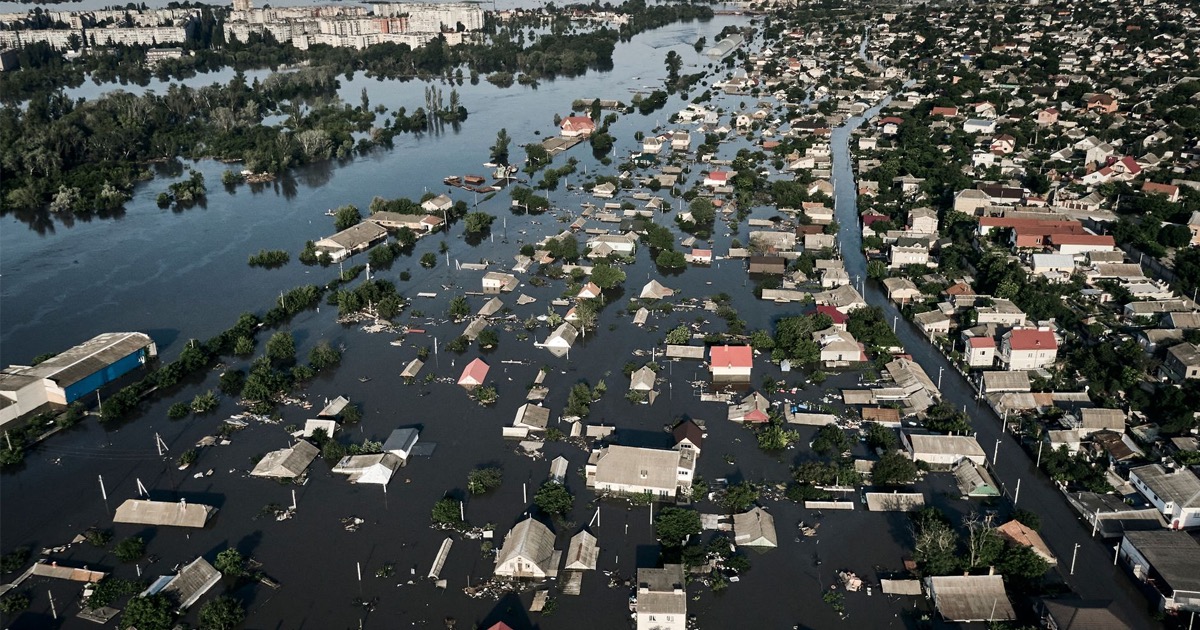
(654, 290)
(1071, 244)
(838, 347)
(731, 362)
(662, 598)
(620, 244)
(681, 141)
(700, 257)
(560, 341)
(933, 323)
(1003, 144)
(923, 221)
(1166, 560)
(350, 241)
(582, 552)
(1175, 493)
(642, 379)
(717, 179)
(474, 374)
(1182, 362)
(755, 528)
(1001, 312)
(286, 463)
(661, 474)
(753, 408)
(528, 552)
(1021, 534)
(1165, 190)
(1102, 103)
(970, 598)
(440, 203)
(1047, 116)
(1079, 614)
(401, 442)
(838, 318)
(901, 290)
(774, 265)
(980, 352)
(1028, 349)
(532, 417)
(588, 292)
(375, 468)
(607, 190)
(577, 127)
(942, 450)
(844, 298)
(688, 436)
(497, 282)
(974, 481)
(908, 251)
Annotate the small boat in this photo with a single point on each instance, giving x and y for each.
(330, 213)
(397, 342)
(364, 379)
(235, 421)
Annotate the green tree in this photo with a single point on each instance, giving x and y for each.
(944, 418)
(579, 400)
(673, 525)
(323, 355)
(488, 338)
(130, 549)
(152, 612)
(499, 150)
(244, 346)
(831, 441)
(935, 547)
(773, 436)
(1022, 565)
(670, 259)
(381, 255)
(679, 335)
(459, 308)
(230, 562)
(223, 613)
(281, 347)
(428, 260)
(877, 270)
(478, 222)
(13, 603)
(447, 512)
(739, 497)
(554, 499)
(483, 480)
(606, 276)
(893, 469)
(879, 436)
(346, 217)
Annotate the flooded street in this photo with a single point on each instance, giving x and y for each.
(184, 275)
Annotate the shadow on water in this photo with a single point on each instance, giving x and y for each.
(510, 611)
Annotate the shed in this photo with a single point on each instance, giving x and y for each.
(685, 352)
(974, 480)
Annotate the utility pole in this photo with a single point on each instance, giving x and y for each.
(995, 452)
(53, 611)
(940, 370)
(1073, 554)
(1017, 495)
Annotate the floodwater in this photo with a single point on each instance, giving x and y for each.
(182, 274)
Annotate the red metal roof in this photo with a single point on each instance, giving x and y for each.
(981, 342)
(474, 374)
(731, 356)
(837, 316)
(1030, 339)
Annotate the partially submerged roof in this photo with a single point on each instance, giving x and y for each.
(894, 501)
(401, 440)
(532, 416)
(474, 374)
(89, 357)
(334, 407)
(147, 512)
(287, 462)
(193, 581)
(1018, 533)
(582, 552)
(971, 597)
(755, 528)
(531, 540)
(1174, 555)
(642, 379)
(1082, 614)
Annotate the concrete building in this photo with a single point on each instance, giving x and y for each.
(1182, 362)
(352, 240)
(662, 598)
(1176, 494)
(980, 352)
(942, 450)
(73, 374)
(731, 362)
(1028, 349)
(631, 470)
(1167, 561)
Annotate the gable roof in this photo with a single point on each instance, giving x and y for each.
(147, 512)
(731, 356)
(755, 528)
(1031, 339)
(474, 374)
(690, 431)
(531, 540)
(287, 462)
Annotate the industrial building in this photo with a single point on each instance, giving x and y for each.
(73, 374)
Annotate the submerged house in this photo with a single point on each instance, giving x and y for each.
(528, 552)
(474, 374)
(286, 463)
(376, 468)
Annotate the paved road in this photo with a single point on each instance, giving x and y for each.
(1095, 576)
